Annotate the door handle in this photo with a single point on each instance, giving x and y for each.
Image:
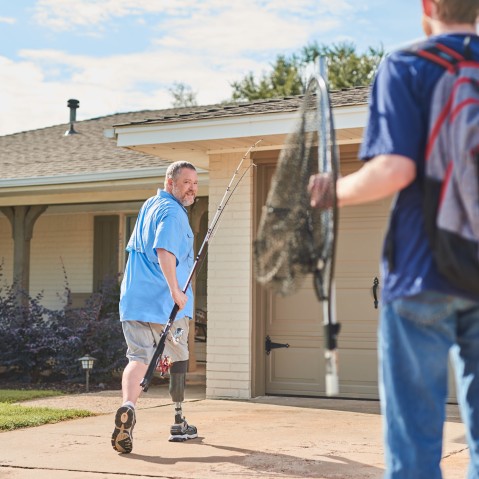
(375, 292)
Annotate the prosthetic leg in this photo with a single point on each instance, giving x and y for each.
(181, 430)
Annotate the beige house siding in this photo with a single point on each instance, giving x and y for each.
(61, 241)
(229, 284)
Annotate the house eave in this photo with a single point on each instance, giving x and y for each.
(134, 185)
(82, 178)
(195, 139)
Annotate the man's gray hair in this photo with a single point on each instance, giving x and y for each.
(174, 169)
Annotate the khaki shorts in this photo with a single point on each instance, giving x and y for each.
(142, 339)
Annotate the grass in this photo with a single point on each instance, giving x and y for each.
(17, 395)
(15, 416)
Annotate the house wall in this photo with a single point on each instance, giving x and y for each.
(61, 251)
(61, 241)
(229, 283)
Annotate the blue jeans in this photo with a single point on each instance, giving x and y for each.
(416, 335)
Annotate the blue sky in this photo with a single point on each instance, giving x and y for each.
(125, 55)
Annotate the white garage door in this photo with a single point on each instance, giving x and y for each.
(297, 320)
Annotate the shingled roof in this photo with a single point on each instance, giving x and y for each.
(339, 98)
(47, 152)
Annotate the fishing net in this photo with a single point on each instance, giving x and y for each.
(294, 239)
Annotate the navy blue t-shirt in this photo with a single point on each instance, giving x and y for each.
(398, 125)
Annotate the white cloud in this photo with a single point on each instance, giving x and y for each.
(91, 14)
(9, 20)
(31, 99)
(234, 31)
(63, 14)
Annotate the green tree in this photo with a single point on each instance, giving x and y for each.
(283, 80)
(183, 95)
(346, 69)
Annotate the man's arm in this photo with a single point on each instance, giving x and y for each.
(167, 263)
(379, 178)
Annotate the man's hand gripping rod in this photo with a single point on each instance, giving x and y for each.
(145, 383)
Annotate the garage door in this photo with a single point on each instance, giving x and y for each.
(296, 320)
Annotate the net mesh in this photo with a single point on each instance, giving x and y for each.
(292, 238)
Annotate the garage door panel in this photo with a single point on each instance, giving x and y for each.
(358, 372)
(353, 256)
(299, 313)
(355, 310)
(297, 369)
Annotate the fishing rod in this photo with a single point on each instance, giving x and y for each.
(155, 360)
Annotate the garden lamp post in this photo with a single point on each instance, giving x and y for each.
(87, 364)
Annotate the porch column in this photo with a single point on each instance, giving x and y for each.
(22, 219)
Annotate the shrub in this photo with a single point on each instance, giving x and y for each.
(25, 340)
(36, 341)
(97, 331)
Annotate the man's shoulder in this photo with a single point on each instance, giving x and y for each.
(407, 66)
(164, 202)
(408, 53)
(458, 42)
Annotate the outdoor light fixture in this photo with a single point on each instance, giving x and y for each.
(87, 364)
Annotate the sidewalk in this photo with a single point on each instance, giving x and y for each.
(267, 437)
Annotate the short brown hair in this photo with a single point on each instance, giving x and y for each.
(457, 11)
(174, 169)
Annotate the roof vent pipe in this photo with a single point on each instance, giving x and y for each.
(73, 105)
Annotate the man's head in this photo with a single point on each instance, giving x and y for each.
(181, 180)
(449, 15)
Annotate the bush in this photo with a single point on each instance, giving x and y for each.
(39, 344)
(98, 332)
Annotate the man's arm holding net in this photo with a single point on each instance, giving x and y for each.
(379, 178)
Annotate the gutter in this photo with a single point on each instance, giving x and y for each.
(86, 177)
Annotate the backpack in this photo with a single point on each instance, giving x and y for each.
(451, 181)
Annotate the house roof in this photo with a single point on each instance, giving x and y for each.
(47, 152)
(35, 155)
(339, 98)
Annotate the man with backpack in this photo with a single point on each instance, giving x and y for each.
(421, 143)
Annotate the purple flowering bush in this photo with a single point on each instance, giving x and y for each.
(38, 344)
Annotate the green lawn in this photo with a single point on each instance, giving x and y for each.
(17, 395)
(14, 416)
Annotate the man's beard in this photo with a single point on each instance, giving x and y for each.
(186, 200)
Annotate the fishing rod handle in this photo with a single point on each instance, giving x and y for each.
(145, 383)
(331, 378)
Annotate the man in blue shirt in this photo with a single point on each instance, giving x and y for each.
(160, 260)
(423, 317)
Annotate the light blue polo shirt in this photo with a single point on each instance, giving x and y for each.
(162, 223)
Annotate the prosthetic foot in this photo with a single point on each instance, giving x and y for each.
(180, 431)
